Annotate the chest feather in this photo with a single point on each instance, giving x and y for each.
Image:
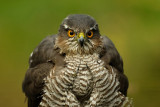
(83, 68)
(82, 76)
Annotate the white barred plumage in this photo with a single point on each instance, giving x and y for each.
(83, 75)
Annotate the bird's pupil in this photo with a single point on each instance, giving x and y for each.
(89, 33)
(71, 33)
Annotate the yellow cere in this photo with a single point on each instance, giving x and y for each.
(81, 34)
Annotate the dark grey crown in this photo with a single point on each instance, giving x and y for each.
(79, 21)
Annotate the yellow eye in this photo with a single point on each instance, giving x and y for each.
(90, 34)
(71, 33)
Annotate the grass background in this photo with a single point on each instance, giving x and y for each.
(133, 25)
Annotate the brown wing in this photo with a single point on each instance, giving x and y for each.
(33, 83)
(41, 61)
(44, 52)
(111, 57)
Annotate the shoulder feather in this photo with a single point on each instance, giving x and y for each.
(111, 57)
(110, 54)
(44, 52)
(42, 60)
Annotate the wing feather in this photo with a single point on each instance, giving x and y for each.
(44, 52)
(111, 57)
(41, 61)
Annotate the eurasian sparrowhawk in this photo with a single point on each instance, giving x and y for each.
(77, 68)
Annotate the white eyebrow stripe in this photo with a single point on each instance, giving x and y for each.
(94, 27)
(66, 26)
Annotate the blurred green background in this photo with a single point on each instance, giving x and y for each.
(133, 25)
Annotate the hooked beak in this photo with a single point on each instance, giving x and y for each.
(81, 38)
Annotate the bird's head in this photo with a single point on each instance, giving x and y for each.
(79, 34)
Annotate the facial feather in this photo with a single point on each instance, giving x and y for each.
(78, 24)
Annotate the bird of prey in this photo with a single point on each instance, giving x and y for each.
(76, 68)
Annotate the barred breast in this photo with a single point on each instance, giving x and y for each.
(83, 81)
(83, 75)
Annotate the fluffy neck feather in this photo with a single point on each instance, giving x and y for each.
(71, 46)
